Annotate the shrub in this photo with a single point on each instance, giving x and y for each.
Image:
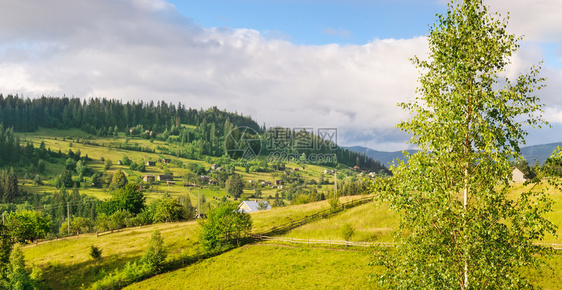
(95, 252)
(154, 255)
(225, 226)
(347, 231)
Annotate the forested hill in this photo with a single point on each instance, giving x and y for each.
(198, 133)
(100, 116)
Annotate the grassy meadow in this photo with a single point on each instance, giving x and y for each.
(106, 148)
(371, 222)
(264, 266)
(66, 263)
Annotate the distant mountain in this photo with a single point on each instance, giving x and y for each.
(384, 157)
(539, 153)
(535, 153)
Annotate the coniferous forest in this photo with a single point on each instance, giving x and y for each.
(205, 134)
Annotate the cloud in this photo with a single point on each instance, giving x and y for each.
(133, 50)
(535, 20)
(144, 50)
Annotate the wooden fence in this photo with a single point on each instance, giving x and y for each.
(330, 242)
(314, 217)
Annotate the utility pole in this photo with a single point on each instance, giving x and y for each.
(68, 216)
(3, 217)
(335, 184)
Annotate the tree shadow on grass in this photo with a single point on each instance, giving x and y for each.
(84, 274)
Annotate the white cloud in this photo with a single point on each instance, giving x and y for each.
(537, 20)
(145, 50)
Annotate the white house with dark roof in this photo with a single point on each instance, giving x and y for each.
(254, 205)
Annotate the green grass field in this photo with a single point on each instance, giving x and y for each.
(107, 148)
(66, 263)
(271, 267)
(372, 223)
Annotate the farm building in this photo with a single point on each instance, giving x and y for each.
(150, 163)
(254, 205)
(149, 178)
(166, 160)
(165, 177)
(266, 183)
(517, 176)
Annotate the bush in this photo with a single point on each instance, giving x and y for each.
(78, 225)
(347, 231)
(225, 226)
(131, 273)
(95, 253)
(154, 255)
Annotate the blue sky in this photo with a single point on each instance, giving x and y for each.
(318, 22)
(293, 63)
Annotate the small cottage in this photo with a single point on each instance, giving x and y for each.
(149, 178)
(165, 177)
(150, 163)
(517, 176)
(253, 206)
(165, 160)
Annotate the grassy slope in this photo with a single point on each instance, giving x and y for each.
(270, 267)
(66, 264)
(303, 267)
(68, 261)
(372, 223)
(54, 140)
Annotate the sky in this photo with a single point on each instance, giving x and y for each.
(296, 63)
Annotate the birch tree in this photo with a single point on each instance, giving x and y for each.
(460, 226)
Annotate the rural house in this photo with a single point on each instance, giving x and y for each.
(253, 206)
(165, 160)
(149, 178)
(150, 163)
(517, 176)
(165, 177)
